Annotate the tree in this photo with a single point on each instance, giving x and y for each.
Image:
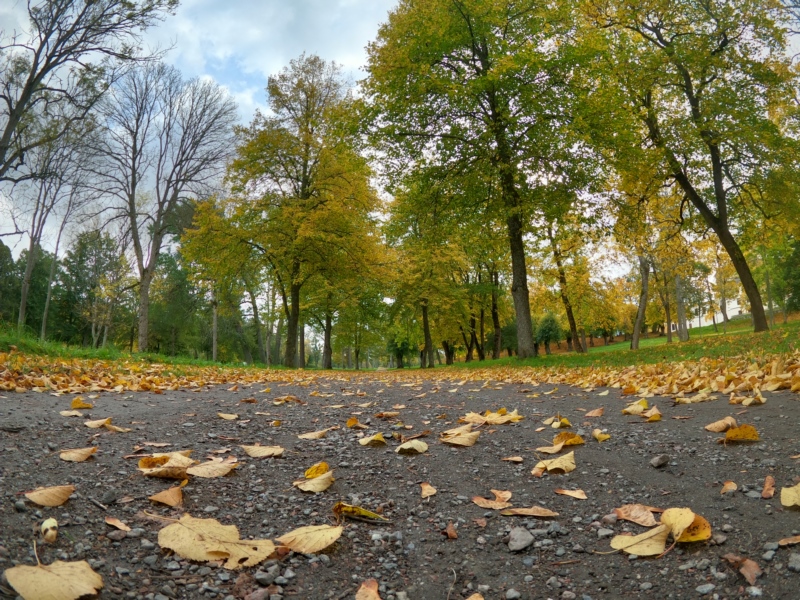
(52, 77)
(166, 140)
(475, 86)
(549, 331)
(701, 81)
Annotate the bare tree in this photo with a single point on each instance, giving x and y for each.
(52, 75)
(166, 141)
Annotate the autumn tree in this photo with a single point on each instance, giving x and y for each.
(698, 82)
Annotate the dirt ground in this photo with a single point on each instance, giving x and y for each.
(411, 557)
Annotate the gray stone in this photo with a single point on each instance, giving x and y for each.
(704, 589)
(645, 586)
(568, 595)
(754, 592)
(794, 562)
(659, 461)
(513, 594)
(771, 546)
(768, 555)
(604, 533)
(518, 539)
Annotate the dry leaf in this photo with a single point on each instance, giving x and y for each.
(513, 459)
(678, 520)
(427, 490)
(562, 464)
(769, 487)
(636, 408)
(721, 425)
(49, 530)
(78, 402)
(58, 581)
(412, 447)
(117, 523)
(568, 439)
(51, 496)
(78, 454)
(284, 399)
(368, 590)
(790, 541)
(340, 509)
(500, 500)
(742, 433)
(578, 494)
(729, 487)
(600, 436)
(98, 423)
(476, 596)
(450, 531)
(385, 414)
(748, 568)
(228, 416)
(533, 511)
(460, 436)
(315, 485)
(636, 513)
(211, 469)
(353, 423)
(603, 393)
(698, 531)
(652, 415)
(263, 451)
(790, 496)
(649, 543)
(70, 413)
(316, 435)
(373, 440)
(312, 539)
(551, 449)
(209, 540)
(597, 412)
(171, 497)
(501, 417)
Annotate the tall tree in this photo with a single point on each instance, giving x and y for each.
(166, 141)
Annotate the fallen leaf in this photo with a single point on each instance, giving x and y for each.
(742, 433)
(790, 496)
(263, 451)
(460, 436)
(551, 449)
(209, 540)
(250, 400)
(678, 520)
(311, 539)
(78, 402)
(315, 485)
(353, 423)
(652, 415)
(316, 470)
(78, 454)
(769, 487)
(600, 436)
(729, 487)
(597, 412)
(373, 440)
(533, 511)
(51, 496)
(228, 416)
(340, 509)
(316, 435)
(636, 513)
(578, 494)
(603, 393)
(427, 490)
(98, 423)
(698, 531)
(501, 417)
(58, 581)
(649, 543)
(450, 531)
(385, 414)
(70, 413)
(500, 500)
(513, 459)
(562, 464)
(211, 469)
(476, 596)
(721, 425)
(790, 541)
(636, 408)
(117, 523)
(49, 530)
(412, 447)
(368, 590)
(748, 568)
(171, 497)
(568, 439)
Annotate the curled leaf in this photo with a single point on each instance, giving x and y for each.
(600, 436)
(51, 496)
(311, 539)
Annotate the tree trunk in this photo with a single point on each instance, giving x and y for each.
(449, 352)
(50, 277)
(302, 346)
(32, 258)
(357, 353)
(278, 335)
(519, 288)
(562, 285)
(214, 327)
(481, 341)
(428, 350)
(683, 331)
(262, 356)
(769, 298)
(583, 340)
(327, 349)
(468, 342)
(246, 354)
(292, 322)
(644, 270)
(144, 309)
(496, 318)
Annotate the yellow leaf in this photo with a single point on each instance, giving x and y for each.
(604, 393)
(171, 497)
(412, 447)
(316, 435)
(98, 423)
(117, 523)
(51, 496)
(340, 509)
(698, 531)
(70, 413)
(600, 436)
(316, 485)
(368, 590)
(500, 500)
(636, 408)
(597, 412)
(577, 494)
(228, 416)
(721, 425)
(78, 454)
(373, 440)
(209, 540)
(678, 520)
(460, 436)
(58, 581)
(649, 543)
(211, 469)
(533, 511)
(263, 451)
(568, 439)
(652, 415)
(742, 433)
(562, 464)
(288, 398)
(316, 470)
(311, 539)
(501, 417)
(551, 449)
(790, 496)
(561, 423)
(49, 530)
(636, 513)
(476, 596)
(78, 402)
(353, 423)
(729, 487)
(111, 427)
(427, 490)
(513, 459)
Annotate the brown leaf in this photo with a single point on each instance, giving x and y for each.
(51, 496)
(597, 412)
(500, 500)
(533, 511)
(78, 454)
(114, 522)
(636, 513)
(427, 490)
(450, 531)
(729, 487)
(769, 487)
(577, 494)
(368, 590)
(790, 541)
(748, 568)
